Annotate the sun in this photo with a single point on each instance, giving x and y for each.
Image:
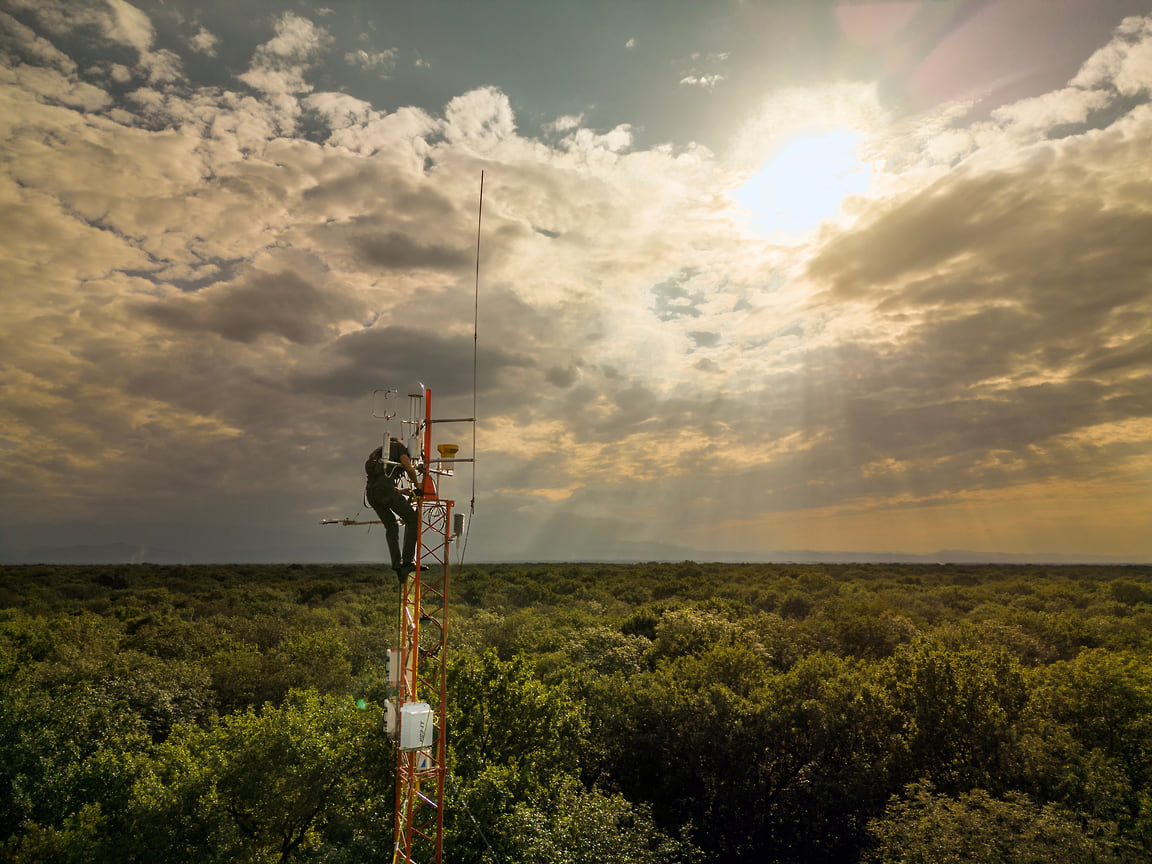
(803, 183)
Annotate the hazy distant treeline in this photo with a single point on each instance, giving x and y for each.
(611, 713)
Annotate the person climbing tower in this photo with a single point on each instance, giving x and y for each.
(390, 505)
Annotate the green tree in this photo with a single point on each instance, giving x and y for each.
(67, 757)
(67, 730)
(1104, 698)
(957, 712)
(309, 779)
(500, 714)
(1096, 753)
(512, 741)
(761, 764)
(583, 826)
(974, 828)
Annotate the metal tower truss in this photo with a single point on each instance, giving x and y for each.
(420, 770)
(417, 715)
(422, 684)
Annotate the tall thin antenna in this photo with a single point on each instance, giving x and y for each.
(476, 341)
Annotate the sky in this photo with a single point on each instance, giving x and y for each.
(754, 280)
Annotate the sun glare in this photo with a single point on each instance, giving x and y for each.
(804, 183)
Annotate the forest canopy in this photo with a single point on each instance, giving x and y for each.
(658, 712)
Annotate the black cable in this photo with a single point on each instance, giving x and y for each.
(476, 340)
(479, 830)
(463, 547)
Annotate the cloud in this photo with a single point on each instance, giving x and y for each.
(383, 62)
(587, 141)
(51, 86)
(1125, 63)
(189, 273)
(358, 361)
(204, 42)
(278, 66)
(565, 124)
(700, 74)
(129, 25)
(19, 39)
(1069, 106)
(399, 137)
(279, 304)
(562, 378)
(297, 40)
(480, 118)
(340, 110)
(1000, 299)
(395, 251)
(116, 20)
(705, 82)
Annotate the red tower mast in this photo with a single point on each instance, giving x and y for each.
(422, 691)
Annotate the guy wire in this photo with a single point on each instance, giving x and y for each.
(476, 339)
(475, 351)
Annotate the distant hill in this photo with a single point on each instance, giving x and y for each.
(127, 553)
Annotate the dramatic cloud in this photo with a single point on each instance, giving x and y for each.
(209, 271)
(264, 304)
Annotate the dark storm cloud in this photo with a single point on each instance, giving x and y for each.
(1055, 221)
(1132, 355)
(958, 351)
(1020, 294)
(628, 406)
(263, 304)
(882, 424)
(562, 377)
(385, 240)
(397, 225)
(931, 417)
(360, 362)
(873, 450)
(396, 251)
